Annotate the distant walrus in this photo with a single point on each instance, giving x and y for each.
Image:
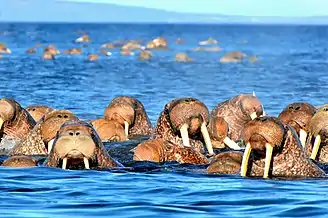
(15, 121)
(277, 152)
(20, 161)
(237, 111)
(131, 114)
(298, 116)
(38, 111)
(83, 38)
(40, 139)
(4, 48)
(78, 146)
(109, 130)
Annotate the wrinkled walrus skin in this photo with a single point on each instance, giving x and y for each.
(15, 121)
(237, 112)
(37, 142)
(20, 161)
(131, 110)
(78, 140)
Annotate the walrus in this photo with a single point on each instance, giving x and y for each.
(38, 111)
(20, 161)
(73, 51)
(40, 139)
(52, 50)
(109, 130)
(298, 116)
(78, 146)
(157, 43)
(4, 48)
(31, 51)
(48, 56)
(83, 38)
(159, 151)
(317, 142)
(237, 111)
(93, 57)
(277, 151)
(184, 122)
(15, 121)
(131, 45)
(126, 52)
(209, 41)
(207, 49)
(145, 55)
(131, 114)
(233, 57)
(182, 57)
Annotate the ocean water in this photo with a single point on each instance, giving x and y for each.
(292, 67)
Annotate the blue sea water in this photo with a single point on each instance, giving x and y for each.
(292, 67)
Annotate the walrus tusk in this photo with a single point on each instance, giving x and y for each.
(86, 163)
(244, 163)
(207, 139)
(79, 39)
(1, 123)
(8, 51)
(253, 115)
(316, 147)
(50, 144)
(303, 136)
(64, 163)
(268, 158)
(126, 128)
(254, 94)
(231, 144)
(184, 135)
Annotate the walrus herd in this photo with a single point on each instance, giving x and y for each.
(236, 137)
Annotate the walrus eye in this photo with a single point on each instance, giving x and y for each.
(60, 116)
(297, 108)
(33, 109)
(325, 109)
(71, 133)
(77, 133)
(65, 116)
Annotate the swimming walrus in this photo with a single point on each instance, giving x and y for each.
(237, 111)
(15, 121)
(298, 116)
(273, 150)
(20, 161)
(38, 111)
(39, 140)
(109, 130)
(317, 142)
(78, 146)
(131, 114)
(184, 122)
(4, 48)
(159, 151)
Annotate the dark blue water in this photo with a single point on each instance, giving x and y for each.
(293, 67)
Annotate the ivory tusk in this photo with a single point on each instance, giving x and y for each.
(316, 147)
(184, 135)
(231, 144)
(244, 164)
(126, 128)
(64, 163)
(207, 139)
(303, 136)
(86, 163)
(268, 158)
(253, 115)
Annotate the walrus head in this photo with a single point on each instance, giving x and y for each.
(109, 130)
(14, 120)
(318, 129)
(189, 116)
(20, 161)
(51, 50)
(251, 106)
(38, 111)
(4, 49)
(78, 146)
(298, 116)
(263, 135)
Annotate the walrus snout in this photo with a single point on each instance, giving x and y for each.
(109, 130)
(38, 111)
(298, 116)
(251, 106)
(262, 134)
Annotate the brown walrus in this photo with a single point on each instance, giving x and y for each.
(145, 55)
(48, 56)
(51, 50)
(233, 57)
(38, 111)
(159, 150)
(182, 57)
(131, 114)
(83, 38)
(78, 146)
(73, 51)
(209, 41)
(93, 57)
(109, 130)
(298, 116)
(40, 139)
(277, 151)
(20, 161)
(237, 111)
(184, 122)
(15, 121)
(4, 48)
(226, 163)
(317, 142)
(157, 43)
